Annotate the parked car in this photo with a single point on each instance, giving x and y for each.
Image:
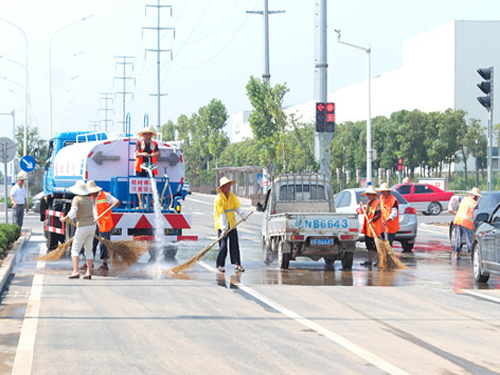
(187, 186)
(425, 198)
(35, 201)
(347, 201)
(486, 248)
(485, 206)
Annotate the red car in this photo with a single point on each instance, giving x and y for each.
(424, 197)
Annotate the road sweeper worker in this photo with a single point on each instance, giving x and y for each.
(102, 202)
(19, 199)
(372, 219)
(225, 206)
(146, 152)
(463, 224)
(390, 212)
(82, 211)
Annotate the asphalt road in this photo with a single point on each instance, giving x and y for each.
(428, 319)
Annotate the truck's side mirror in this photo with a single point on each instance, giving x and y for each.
(259, 207)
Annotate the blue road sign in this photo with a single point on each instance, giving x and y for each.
(27, 163)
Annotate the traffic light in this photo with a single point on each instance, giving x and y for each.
(325, 117)
(486, 87)
(330, 117)
(320, 117)
(401, 165)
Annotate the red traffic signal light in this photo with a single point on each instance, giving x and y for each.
(325, 117)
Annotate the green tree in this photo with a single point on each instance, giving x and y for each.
(268, 121)
(167, 131)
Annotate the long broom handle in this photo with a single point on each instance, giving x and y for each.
(207, 248)
(368, 221)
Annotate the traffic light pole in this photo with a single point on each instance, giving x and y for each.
(487, 87)
(490, 145)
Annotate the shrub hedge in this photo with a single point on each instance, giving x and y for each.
(9, 233)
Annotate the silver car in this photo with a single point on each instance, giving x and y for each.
(486, 248)
(347, 201)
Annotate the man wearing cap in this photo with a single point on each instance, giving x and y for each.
(103, 204)
(463, 224)
(82, 211)
(225, 205)
(19, 200)
(390, 212)
(372, 222)
(146, 152)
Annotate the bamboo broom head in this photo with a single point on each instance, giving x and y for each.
(59, 252)
(124, 253)
(386, 256)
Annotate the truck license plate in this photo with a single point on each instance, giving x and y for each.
(321, 241)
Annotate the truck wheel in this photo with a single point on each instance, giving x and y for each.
(347, 260)
(52, 241)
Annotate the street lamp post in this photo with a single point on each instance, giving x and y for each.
(369, 152)
(26, 92)
(50, 66)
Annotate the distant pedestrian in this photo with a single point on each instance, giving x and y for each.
(19, 199)
(82, 211)
(372, 222)
(463, 224)
(225, 206)
(103, 201)
(390, 212)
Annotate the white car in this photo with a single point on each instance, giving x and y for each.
(187, 186)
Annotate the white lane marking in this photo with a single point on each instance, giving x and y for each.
(25, 348)
(339, 340)
(199, 201)
(479, 295)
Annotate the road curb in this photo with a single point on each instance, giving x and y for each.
(10, 260)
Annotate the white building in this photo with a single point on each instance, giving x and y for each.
(439, 72)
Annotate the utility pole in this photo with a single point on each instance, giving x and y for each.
(158, 52)
(125, 63)
(106, 96)
(267, 75)
(323, 140)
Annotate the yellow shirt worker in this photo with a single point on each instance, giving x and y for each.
(226, 204)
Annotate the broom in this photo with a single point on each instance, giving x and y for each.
(195, 258)
(57, 253)
(386, 256)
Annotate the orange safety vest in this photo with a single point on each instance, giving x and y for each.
(105, 221)
(138, 160)
(392, 226)
(465, 213)
(376, 225)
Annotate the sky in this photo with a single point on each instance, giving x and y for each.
(213, 49)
